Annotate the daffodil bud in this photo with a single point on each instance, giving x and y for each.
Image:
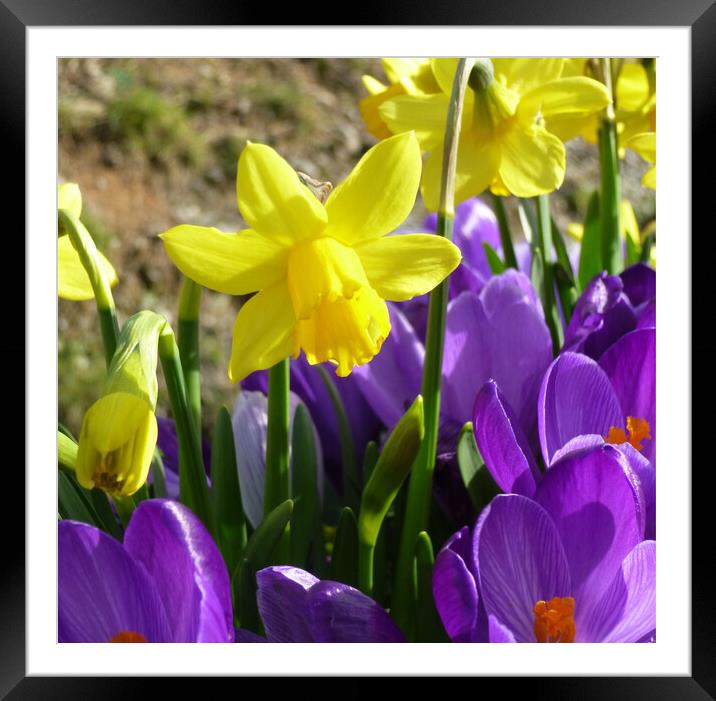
(119, 431)
(482, 75)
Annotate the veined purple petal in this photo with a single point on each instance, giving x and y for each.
(187, 567)
(626, 612)
(646, 473)
(500, 633)
(520, 561)
(602, 315)
(103, 591)
(502, 443)
(630, 364)
(508, 288)
(391, 381)
(576, 398)
(639, 282)
(339, 613)
(596, 504)
(283, 604)
(647, 316)
(246, 636)
(455, 588)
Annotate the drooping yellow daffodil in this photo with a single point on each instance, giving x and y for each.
(645, 146)
(322, 272)
(406, 76)
(504, 143)
(119, 431)
(72, 280)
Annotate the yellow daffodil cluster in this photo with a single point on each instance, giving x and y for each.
(322, 272)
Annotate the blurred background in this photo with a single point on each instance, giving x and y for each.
(154, 143)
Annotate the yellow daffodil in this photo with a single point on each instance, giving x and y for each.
(72, 280)
(119, 431)
(322, 272)
(645, 146)
(406, 76)
(504, 143)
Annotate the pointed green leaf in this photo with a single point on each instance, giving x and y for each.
(560, 249)
(475, 475)
(496, 264)
(590, 257)
(344, 558)
(428, 628)
(72, 503)
(370, 458)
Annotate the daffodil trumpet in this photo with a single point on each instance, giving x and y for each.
(420, 488)
(99, 276)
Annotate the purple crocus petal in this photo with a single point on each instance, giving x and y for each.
(626, 612)
(339, 613)
(595, 502)
(646, 473)
(189, 571)
(455, 589)
(246, 636)
(283, 604)
(647, 316)
(465, 278)
(502, 443)
(497, 335)
(602, 314)
(103, 591)
(576, 398)
(391, 381)
(578, 444)
(499, 633)
(520, 561)
(168, 443)
(639, 282)
(630, 364)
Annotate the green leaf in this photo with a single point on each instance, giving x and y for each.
(257, 555)
(66, 451)
(590, 257)
(370, 458)
(562, 255)
(475, 475)
(72, 503)
(496, 264)
(307, 547)
(226, 493)
(428, 629)
(568, 294)
(505, 235)
(393, 466)
(344, 559)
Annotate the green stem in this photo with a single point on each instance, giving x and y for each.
(84, 245)
(549, 302)
(351, 488)
(365, 567)
(508, 251)
(421, 480)
(612, 258)
(188, 342)
(276, 489)
(193, 488)
(158, 475)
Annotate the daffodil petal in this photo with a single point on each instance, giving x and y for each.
(372, 85)
(649, 178)
(379, 193)
(522, 74)
(273, 200)
(532, 163)
(72, 280)
(232, 263)
(369, 110)
(629, 224)
(425, 115)
(632, 87)
(444, 72)
(407, 265)
(69, 198)
(569, 126)
(476, 168)
(644, 145)
(573, 96)
(263, 332)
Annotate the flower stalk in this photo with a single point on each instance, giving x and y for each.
(508, 251)
(276, 489)
(89, 256)
(188, 343)
(420, 488)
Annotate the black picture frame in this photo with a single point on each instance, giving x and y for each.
(700, 15)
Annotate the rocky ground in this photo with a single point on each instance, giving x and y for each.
(154, 143)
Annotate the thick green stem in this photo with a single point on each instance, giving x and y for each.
(188, 342)
(508, 251)
(366, 553)
(421, 480)
(612, 257)
(193, 489)
(549, 301)
(276, 489)
(89, 257)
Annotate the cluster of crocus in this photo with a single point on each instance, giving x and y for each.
(519, 396)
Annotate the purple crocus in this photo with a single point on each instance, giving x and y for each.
(296, 607)
(166, 583)
(567, 565)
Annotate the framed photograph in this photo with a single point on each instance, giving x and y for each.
(349, 340)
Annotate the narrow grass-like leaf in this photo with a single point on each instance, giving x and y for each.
(561, 250)
(370, 458)
(496, 264)
(568, 294)
(475, 475)
(72, 504)
(344, 558)
(428, 628)
(590, 256)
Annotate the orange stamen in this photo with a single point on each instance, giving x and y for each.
(128, 636)
(554, 620)
(639, 431)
